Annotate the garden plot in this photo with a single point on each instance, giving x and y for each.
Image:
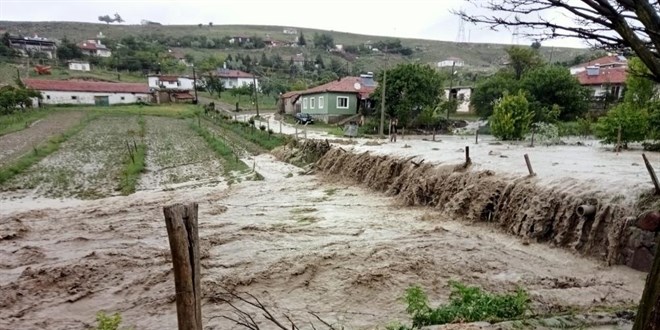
(176, 155)
(87, 165)
(16, 144)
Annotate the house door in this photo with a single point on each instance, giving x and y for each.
(101, 101)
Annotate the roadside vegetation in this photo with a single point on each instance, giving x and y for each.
(466, 304)
(20, 120)
(231, 162)
(253, 131)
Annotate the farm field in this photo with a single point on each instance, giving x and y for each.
(176, 155)
(87, 165)
(16, 144)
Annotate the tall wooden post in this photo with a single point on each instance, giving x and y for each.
(654, 177)
(181, 222)
(468, 161)
(529, 166)
(648, 312)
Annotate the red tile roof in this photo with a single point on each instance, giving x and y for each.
(605, 60)
(225, 73)
(605, 76)
(86, 86)
(343, 85)
(289, 94)
(87, 45)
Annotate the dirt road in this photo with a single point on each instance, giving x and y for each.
(18, 143)
(298, 243)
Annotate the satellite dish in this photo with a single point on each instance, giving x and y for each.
(357, 86)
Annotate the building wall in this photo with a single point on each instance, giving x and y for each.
(231, 83)
(79, 66)
(103, 52)
(325, 105)
(463, 101)
(184, 84)
(600, 90)
(57, 97)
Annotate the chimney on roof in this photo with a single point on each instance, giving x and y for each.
(224, 65)
(593, 70)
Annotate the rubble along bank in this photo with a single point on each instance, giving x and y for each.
(518, 205)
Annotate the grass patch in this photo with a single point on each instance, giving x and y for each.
(20, 120)
(40, 152)
(262, 138)
(227, 155)
(266, 102)
(466, 304)
(134, 162)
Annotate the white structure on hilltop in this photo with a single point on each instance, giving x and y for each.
(451, 61)
(94, 48)
(79, 66)
(235, 78)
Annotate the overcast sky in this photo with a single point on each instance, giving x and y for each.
(426, 19)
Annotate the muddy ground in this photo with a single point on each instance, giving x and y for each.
(16, 144)
(300, 243)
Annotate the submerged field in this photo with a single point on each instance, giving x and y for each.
(299, 242)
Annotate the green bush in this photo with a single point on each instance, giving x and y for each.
(105, 322)
(546, 133)
(632, 122)
(466, 304)
(512, 117)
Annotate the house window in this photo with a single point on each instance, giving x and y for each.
(73, 97)
(47, 97)
(305, 103)
(122, 98)
(312, 103)
(342, 102)
(461, 97)
(321, 101)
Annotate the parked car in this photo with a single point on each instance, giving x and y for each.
(304, 118)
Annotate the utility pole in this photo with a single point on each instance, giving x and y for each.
(195, 84)
(451, 84)
(382, 101)
(256, 94)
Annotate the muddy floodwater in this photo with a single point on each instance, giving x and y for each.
(300, 243)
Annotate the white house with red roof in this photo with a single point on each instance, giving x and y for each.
(171, 82)
(235, 78)
(609, 61)
(94, 48)
(89, 92)
(604, 80)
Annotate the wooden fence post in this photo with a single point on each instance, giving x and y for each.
(529, 166)
(476, 136)
(467, 155)
(280, 126)
(654, 178)
(181, 222)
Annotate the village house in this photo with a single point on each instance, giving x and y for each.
(32, 45)
(179, 56)
(290, 31)
(451, 61)
(604, 81)
(171, 88)
(299, 60)
(609, 61)
(79, 66)
(287, 103)
(336, 100)
(94, 48)
(462, 95)
(238, 39)
(89, 92)
(235, 78)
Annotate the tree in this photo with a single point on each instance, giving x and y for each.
(512, 117)
(210, 23)
(554, 85)
(301, 40)
(336, 66)
(410, 88)
(264, 61)
(488, 90)
(631, 122)
(523, 59)
(608, 24)
(108, 19)
(536, 45)
(68, 50)
(319, 61)
(640, 90)
(323, 41)
(13, 98)
(214, 85)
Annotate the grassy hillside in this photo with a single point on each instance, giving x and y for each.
(426, 51)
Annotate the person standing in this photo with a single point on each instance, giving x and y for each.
(393, 132)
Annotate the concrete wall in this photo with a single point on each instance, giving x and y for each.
(184, 84)
(231, 83)
(79, 66)
(463, 101)
(327, 103)
(57, 97)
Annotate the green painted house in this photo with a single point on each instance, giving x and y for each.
(338, 99)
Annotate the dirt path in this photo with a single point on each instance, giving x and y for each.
(16, 144)
(298, 243)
